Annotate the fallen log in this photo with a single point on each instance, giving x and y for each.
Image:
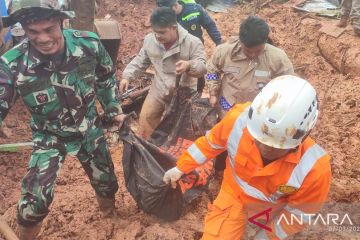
(342, 53)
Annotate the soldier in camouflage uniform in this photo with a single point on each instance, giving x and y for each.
(59, 73)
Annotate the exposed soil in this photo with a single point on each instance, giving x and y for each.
(74, 213)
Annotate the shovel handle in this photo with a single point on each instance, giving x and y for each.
(6, 230)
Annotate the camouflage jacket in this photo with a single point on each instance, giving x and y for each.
(60, 98)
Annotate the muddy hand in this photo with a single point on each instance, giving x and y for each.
(182, 67)
(124, 85)
(119, 119)
(213, 101)
(172, 176)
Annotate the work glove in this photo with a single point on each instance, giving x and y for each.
(172, 176)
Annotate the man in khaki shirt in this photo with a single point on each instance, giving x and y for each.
(240, 68)
(173, 52)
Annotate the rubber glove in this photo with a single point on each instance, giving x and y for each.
(172, 176)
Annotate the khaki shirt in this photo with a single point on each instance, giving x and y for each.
(187, 48)
(236, 79)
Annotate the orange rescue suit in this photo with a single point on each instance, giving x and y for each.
(296, 184)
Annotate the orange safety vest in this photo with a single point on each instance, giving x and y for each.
(299, 178)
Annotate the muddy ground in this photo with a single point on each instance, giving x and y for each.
(74, 213)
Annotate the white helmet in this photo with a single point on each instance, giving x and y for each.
(284, 112)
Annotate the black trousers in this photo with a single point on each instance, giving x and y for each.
(200, 84)
(220, 161)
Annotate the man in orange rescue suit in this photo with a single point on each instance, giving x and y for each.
(241, 67)
(272, 161)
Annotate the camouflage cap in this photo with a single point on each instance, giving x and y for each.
(33, 10)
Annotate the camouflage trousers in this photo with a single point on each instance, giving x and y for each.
(351, 8)
(48, 155)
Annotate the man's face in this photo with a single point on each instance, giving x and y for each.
(270, 153)
(46, 36)
(165, 35)
(253, 52)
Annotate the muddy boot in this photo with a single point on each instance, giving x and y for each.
(343, 21)
(29, 233)
(107, 206)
